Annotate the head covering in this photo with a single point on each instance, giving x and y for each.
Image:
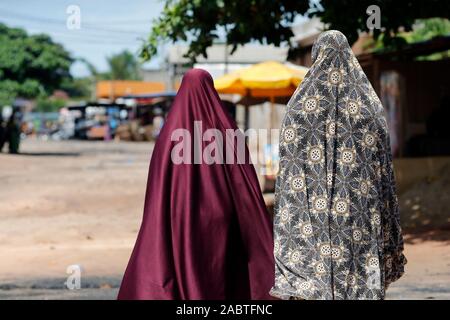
(205, 233)
(336, 229)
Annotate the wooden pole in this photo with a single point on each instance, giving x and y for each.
(272, 111)
(247, 113)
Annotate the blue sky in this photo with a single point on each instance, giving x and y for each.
(107, 27)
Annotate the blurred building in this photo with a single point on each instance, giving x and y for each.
(112, 89)
(160, 75)
(305, 33)
(414, 91)
(220, 60)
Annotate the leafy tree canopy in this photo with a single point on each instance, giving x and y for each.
(123, 66)
(30, 65)
(201, 22)
(425, 29)
(349, 16)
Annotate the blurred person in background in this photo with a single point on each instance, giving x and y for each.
(2, 132)
(13, 132)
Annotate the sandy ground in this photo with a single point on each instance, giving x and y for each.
(80, 203)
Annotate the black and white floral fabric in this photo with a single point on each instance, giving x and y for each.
(336, 231)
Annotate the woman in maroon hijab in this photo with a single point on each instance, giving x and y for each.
(205, 233)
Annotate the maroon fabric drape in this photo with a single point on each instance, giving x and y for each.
(206, 233)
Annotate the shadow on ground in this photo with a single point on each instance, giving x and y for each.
(440, 235)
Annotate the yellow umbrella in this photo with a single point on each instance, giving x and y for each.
(269, 79)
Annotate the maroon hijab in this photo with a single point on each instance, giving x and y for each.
(205, 233)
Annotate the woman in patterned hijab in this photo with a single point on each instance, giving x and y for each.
(337, 229)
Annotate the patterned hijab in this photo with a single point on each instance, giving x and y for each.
(337, 231)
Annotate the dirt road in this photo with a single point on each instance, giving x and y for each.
(80, 203)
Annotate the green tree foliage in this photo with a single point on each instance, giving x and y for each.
(349, 16)
(427, 29)
(79, 88)
(423, 30)
(45, 104)
(30, 65)
(123, 66)
(200, 22)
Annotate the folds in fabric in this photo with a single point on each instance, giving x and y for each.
(205, 232)
(336, 227)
